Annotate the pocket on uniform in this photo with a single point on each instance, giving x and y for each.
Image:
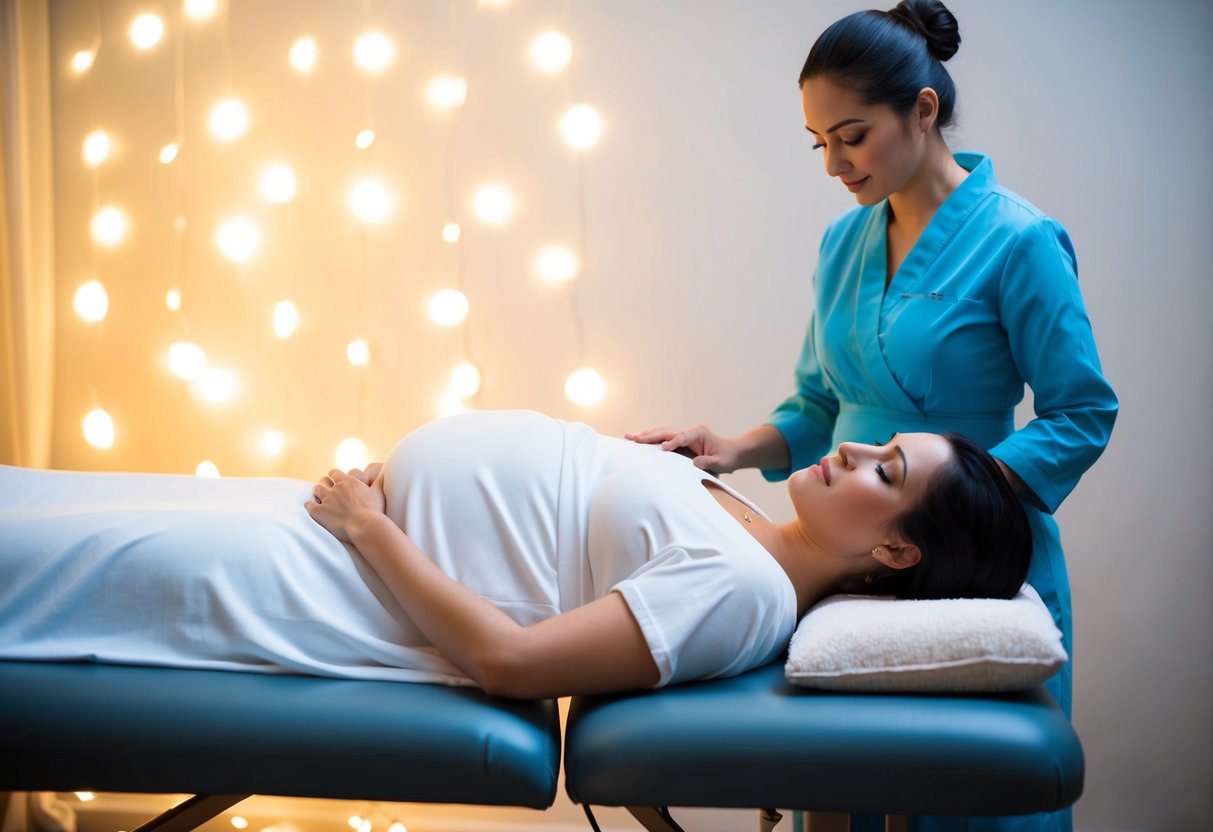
(931, 296)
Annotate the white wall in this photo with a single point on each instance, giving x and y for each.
(704, 207)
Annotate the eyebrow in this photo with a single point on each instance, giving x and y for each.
(905, 465)
(842, 123)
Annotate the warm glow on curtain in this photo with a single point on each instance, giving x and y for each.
(26, 252)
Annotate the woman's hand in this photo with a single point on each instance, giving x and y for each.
(711, 452)
(340, 501)
(369, 475)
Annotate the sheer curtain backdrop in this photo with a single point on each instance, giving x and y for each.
(26, 239)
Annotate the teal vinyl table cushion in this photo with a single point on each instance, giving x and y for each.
(78, 726)
(756, 741)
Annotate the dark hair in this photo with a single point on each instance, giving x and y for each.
(971, 530)
(889, 57)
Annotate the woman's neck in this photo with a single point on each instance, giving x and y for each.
(936, 178)
(814, 573)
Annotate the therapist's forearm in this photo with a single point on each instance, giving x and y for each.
(763, 447)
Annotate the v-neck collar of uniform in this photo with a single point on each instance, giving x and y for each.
(873, 297)
(944, 223)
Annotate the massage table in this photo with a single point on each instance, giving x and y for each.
(756, 741)
(753, 741)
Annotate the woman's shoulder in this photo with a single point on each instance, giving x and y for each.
(844, 232)
(1001, 207)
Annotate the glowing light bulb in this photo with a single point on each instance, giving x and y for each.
(365, 826)
(364, 139)
(109, 226)
(493, 204)
(556, 265)
(98, 429)
(172, 299)
(85, 797)
(585, 387)
(91, 302)
(238, 238)
(96, 148)
(370, 201)
(168, 153)
(201, 9)
(229, 120)
(355, 821)
(303, 55)
(451, 232)
(187, 360)
(83, 60)
(581, 126)
(465, 380)
(374, 52)
(272, 442)
(358, 352)
(216, 386)
(207, 470)
(551, 52)
(146, 31)
(449, 405)
(447, 92)
(352, 453)
(278, 183)
(239, 822)
(397, 826)
(286, 319)
(448, 307)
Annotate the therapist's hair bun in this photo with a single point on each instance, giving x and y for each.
(932, 20)
(890, 57)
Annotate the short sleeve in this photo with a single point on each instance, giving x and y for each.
(705, 615)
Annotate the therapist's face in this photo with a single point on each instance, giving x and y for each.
(871, 150)
(850, 502)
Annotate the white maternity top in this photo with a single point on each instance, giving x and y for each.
(536, 515)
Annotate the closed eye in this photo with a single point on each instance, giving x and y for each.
(881, 473)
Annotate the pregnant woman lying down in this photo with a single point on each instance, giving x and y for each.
(530, 556)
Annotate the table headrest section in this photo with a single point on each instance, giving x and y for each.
(756, 741)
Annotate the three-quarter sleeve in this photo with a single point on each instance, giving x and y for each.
(1053, 346)
(806, 418)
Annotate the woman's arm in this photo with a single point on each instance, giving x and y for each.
(596, 648)
(1051, 340)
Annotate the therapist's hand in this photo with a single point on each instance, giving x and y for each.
(711, 452)
(340, 502)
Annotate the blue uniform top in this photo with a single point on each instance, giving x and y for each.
(986, 300)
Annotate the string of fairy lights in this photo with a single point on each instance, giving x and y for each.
(372, 202)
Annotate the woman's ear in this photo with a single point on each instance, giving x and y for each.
(927, 108)
(897, 555)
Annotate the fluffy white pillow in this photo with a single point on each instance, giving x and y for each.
(865, 643)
